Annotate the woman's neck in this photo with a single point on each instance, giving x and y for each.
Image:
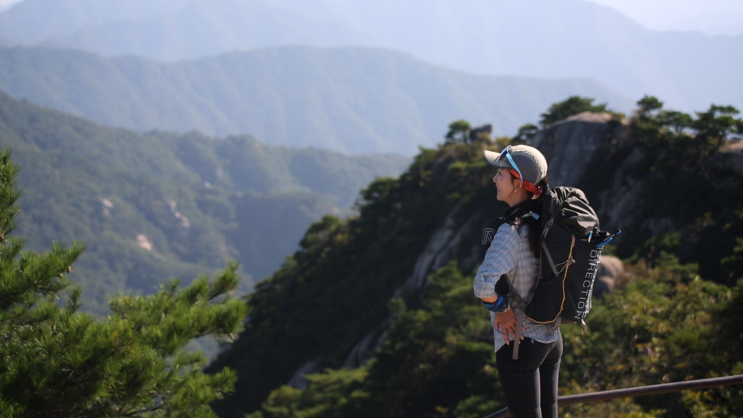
(518, 199)
(523, 206)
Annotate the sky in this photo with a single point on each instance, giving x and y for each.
(713, 17)
(4, 4)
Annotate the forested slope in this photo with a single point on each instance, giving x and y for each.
(393, 284)
(158, 205)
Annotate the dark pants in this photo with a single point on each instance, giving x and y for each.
(530, 383)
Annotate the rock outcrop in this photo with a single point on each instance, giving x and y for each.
(610, 270)
(571, 144)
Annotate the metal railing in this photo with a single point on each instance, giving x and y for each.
(638, 391)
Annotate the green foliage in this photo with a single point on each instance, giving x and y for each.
(502, 142)
(436, 361)
(57, 362)
(667, 325)
(343, 269)
(648, 104)
(525, 133)
(678, 138)
(572, 106)
(8, 195)
(459, 131)
(657, 247)
(734, 263)
(687, 184)
(330, 394)
(435, 357)
(684, 183)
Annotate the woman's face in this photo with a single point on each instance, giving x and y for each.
(508, 189)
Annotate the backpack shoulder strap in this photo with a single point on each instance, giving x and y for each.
(553, 200)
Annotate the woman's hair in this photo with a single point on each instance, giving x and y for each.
(515, 216)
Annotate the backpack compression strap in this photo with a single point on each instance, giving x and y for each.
(556, 268)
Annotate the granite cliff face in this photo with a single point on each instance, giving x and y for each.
(570, 144)
(576, 146)
(600, 155)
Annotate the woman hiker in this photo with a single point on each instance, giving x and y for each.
(527, 357)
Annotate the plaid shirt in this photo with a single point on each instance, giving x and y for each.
(510, 254)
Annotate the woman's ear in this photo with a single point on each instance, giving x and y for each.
(516, 185)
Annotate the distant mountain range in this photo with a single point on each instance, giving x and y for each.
(35, 20)
(356, 100)
(538, 38)
(159, 205)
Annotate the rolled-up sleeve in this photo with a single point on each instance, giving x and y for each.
(500, 259)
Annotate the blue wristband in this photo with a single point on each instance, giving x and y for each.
(500, 305)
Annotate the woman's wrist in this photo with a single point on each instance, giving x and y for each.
(499, 305)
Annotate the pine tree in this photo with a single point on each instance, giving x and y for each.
(58, 362)
(572, 106)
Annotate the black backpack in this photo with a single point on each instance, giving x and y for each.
(571, 253)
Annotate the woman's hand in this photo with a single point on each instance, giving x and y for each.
(506, 323)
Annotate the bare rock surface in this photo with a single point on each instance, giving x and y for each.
(610, 269)
(569, 145)
(731, 156)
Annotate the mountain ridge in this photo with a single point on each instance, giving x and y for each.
(356, 100)
(158, 205)
(541, 39)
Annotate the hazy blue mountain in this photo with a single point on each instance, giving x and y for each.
(159, 205)
(34, 20)
(356, 100)
(208, 27)
(539, 38)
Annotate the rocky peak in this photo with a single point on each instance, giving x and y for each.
(569, 145)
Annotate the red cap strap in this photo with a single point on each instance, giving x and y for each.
(536, 191)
